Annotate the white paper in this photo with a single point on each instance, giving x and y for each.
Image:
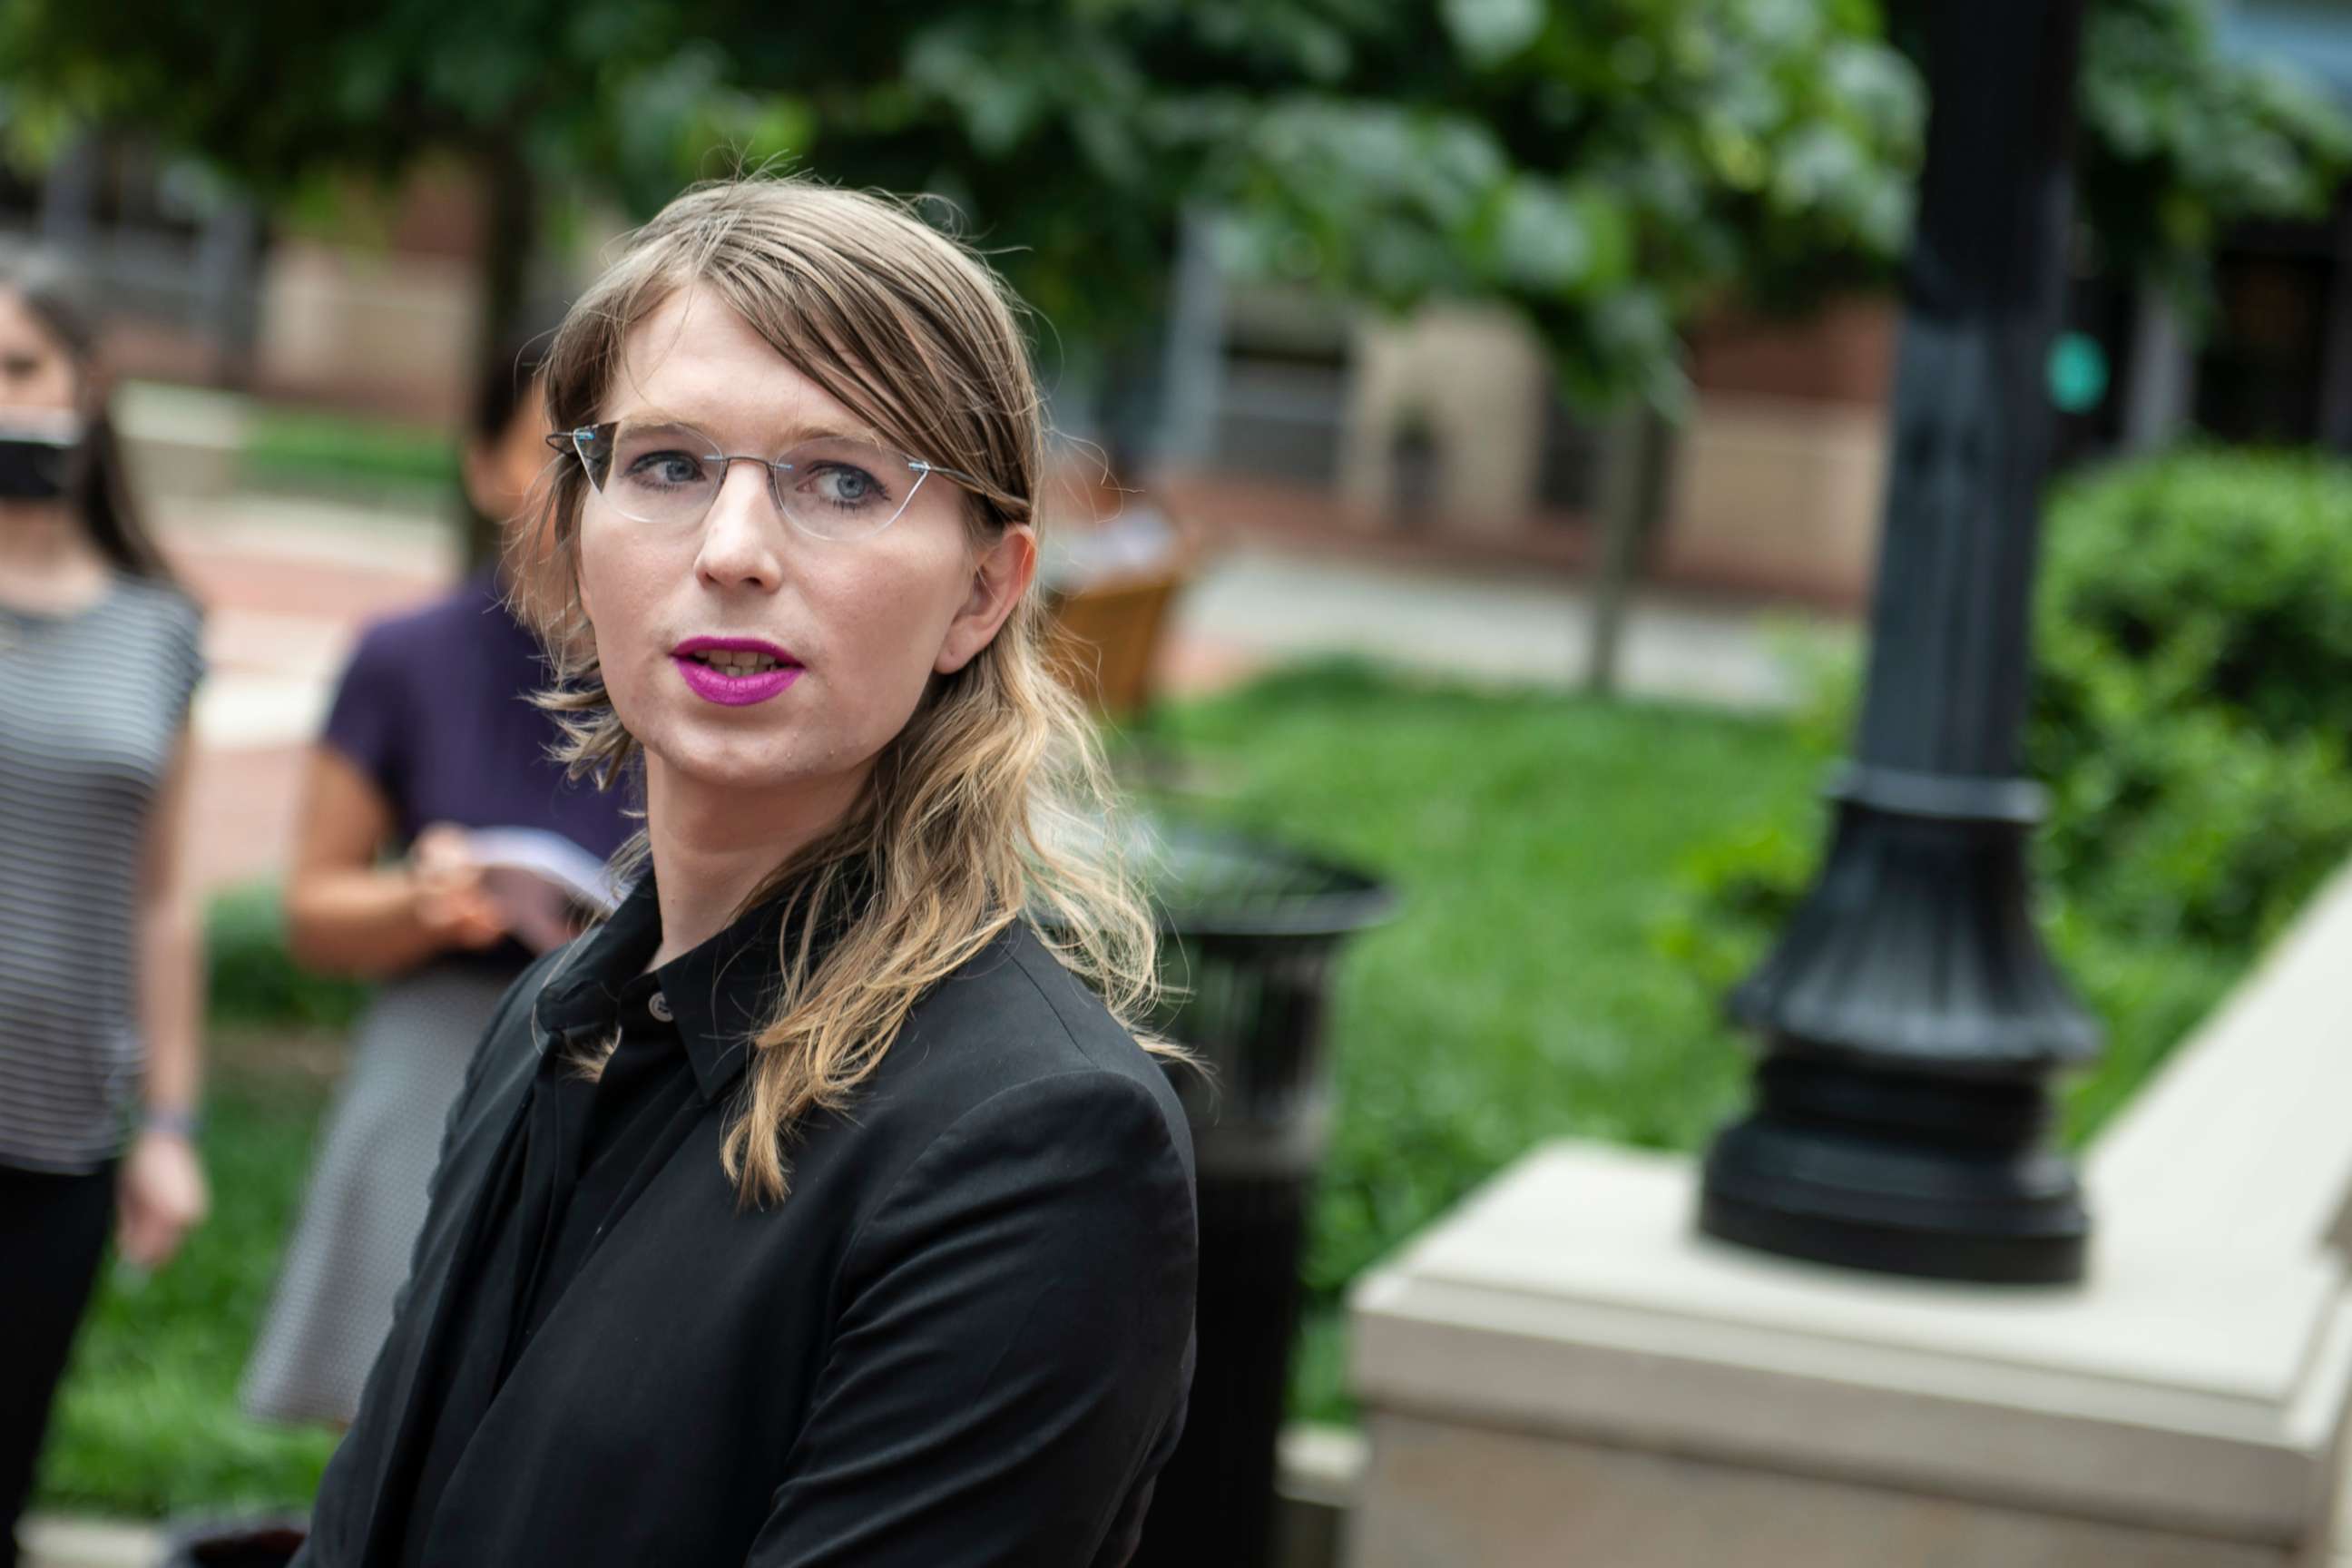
(541, 879)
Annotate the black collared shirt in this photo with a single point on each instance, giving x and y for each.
(965, 1336)
(580, 1149)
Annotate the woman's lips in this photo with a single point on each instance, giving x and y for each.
(715, 681)
(714, 685)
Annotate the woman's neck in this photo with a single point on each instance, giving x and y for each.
(712, 848)
(47, 557)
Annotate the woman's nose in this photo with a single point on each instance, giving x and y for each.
(743, 532)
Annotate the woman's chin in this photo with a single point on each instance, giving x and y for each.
(732, 764)
(732, 773)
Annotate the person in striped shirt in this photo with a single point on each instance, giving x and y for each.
(99, 955)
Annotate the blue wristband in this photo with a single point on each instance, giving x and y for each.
(172, 1123)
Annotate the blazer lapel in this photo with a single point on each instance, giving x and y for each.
(679, 1155)
(415, 1357)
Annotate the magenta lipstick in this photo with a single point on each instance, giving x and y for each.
(735, 672)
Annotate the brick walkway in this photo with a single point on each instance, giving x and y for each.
(285, 586)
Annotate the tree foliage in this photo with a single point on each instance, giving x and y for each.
(2179, 144)
(1612, 166)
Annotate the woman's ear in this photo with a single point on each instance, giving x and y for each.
(478, 472)
(1000, 576)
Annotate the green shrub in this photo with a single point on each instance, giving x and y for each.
(304, 449)
(147, 1424)
(2195, 691)
(2191, 709)
(254, 980)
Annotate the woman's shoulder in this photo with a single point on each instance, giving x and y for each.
(436, 625)
(157, 602)
(425, 654)
(1016, 1009)
(1013, 1031)
(155, 619)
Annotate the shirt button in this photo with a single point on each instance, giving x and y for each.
(658, 1005)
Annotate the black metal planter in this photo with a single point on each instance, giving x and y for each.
(239, 1543)
(1252, 931)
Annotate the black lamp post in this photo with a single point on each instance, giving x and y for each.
(1912, 1020)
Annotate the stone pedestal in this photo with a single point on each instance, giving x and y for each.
(1612, 1506)
(1562, 1372)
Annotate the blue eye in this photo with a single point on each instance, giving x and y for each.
(667, 470)
(843, 486)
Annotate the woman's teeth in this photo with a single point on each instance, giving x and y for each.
(737, 661)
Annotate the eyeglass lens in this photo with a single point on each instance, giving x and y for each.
(666, 473)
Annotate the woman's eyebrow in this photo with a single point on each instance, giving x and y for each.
(797, 434)
(789, 436)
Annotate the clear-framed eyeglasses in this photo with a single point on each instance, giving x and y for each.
(668, 474)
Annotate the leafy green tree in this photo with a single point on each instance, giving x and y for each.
(1612, 166)
(1607, 166)
(285, 97)
(2179, 142)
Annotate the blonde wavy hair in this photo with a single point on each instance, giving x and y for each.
(993, 804)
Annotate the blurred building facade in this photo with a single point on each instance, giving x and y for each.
(1446, 429)
(370, 306)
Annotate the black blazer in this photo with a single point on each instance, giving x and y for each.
(964, 1339)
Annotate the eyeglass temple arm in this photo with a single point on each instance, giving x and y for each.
(957, 475)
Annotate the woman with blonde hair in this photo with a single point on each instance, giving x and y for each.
(821, 1207)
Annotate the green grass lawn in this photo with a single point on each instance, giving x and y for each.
(1518, 995)
(147, 1423)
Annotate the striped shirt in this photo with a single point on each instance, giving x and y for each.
(92, 702)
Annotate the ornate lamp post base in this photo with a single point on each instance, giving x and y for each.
(1912, 1020)
(1812, 1173)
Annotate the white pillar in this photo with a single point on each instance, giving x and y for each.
(1562, 1371)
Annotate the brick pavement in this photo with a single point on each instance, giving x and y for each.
(286, 587)
(244, 814)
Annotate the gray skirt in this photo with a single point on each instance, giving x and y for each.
(350, 1251)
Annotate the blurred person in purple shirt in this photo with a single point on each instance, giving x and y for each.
(432, 735)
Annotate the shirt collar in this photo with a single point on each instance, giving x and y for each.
(719, 994)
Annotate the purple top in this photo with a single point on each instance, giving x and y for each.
(434, 707)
